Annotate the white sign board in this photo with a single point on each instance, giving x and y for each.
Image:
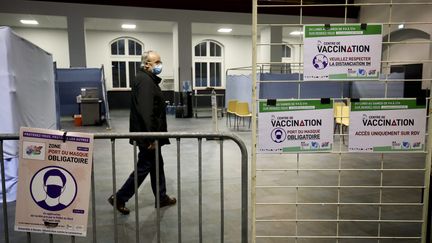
(342, 52)
(385, 125)
(295, 126)
(54, 181)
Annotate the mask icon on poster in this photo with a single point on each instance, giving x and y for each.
(53, 188)
(278, 135)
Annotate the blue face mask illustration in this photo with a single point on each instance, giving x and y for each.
(54, 191)
(278, 134)
(157, 69)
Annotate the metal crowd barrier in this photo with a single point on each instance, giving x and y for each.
(178, 136)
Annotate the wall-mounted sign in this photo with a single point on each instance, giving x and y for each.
(295, 126)
(342, 51)
(54, 181)
(383, 125)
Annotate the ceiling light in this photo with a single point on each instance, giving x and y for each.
(401, 26)
(29, 21)
(224, 30)
(128, 26)
(296, 32)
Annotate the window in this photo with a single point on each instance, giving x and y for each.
(286, 51)
(125, 61)
(286, 59)
(119, 74)
(208, 64)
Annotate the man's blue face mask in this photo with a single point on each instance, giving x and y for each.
(54, 191)
(157, 69)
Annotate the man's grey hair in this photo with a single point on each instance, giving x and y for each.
(144, 57)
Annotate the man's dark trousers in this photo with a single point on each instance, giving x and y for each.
(146, 164)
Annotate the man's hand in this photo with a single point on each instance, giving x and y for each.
(152, 146)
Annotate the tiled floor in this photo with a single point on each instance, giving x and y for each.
(281, 177)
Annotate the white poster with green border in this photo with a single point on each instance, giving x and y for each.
(386, 125)
(295, 126)
(342, 52)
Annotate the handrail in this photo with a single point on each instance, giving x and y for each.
(158, 135)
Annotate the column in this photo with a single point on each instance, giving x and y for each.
(76, 38)
(182, 41)
(276, 50)
(271, 53)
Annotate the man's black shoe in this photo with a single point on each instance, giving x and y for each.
(167, 201)
(120, 206)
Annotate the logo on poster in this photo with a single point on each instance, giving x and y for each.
(315, 145)
(361, 72)
(416, 144)
(53, 188)
(33, 150)
(278, 135)
(325, 144)
(405, 145)
(320, 61)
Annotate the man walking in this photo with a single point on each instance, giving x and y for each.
(147, 114)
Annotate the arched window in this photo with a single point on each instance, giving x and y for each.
(287, 59)
(208, 64)
(286, 51)
(125, 61)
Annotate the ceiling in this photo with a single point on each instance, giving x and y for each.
(52, 22)
(59, 22)
(102, 24)
(241, 6)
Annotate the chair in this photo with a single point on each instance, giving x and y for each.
(335, 108)
(242, 111)
(342, 118)
(232, 104)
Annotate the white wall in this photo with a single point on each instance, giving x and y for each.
(293, 42)
(404, 14)
(399, 13)
(237, 49)
(54, 41)
(409, 52)
(263, 51)
(98, 49)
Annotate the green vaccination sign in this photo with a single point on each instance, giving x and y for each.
(342, 52)
(295, 126)
(387, 125)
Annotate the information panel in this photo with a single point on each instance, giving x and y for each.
(342, 51)
(383, 125)
(295, 126)
(54, 181)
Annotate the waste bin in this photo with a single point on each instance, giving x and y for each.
(188, 104)
(90, 106)
(180, 111)
(184, 109)
(90, 111)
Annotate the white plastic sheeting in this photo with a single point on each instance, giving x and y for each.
(239, 87)
(27, 95)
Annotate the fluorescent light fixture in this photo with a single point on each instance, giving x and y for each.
(29, 21)
(224, 30)
(401, 26)
(296, 32)
(128, 26)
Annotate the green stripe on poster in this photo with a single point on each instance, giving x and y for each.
(294, 105)
(344, 76)
(389, 148)
(385, 104)
(341, 30)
